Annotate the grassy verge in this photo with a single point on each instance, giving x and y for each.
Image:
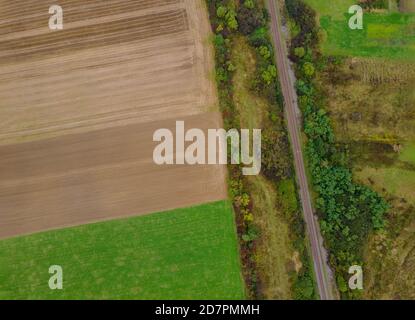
(187, 253)
(273, 249)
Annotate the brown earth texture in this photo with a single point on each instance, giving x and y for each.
(79, 106)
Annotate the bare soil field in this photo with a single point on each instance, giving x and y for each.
(115, 62)
(78, 109)
(99, 175)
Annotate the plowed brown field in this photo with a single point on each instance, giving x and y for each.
(78, 108)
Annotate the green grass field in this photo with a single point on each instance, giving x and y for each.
(399, 178)
(408, 154)
(334, 8)
(187, 253)
(384, 35)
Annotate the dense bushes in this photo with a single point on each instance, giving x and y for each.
(348, 211)
(249, 18)
(305, 18)
(275, 163)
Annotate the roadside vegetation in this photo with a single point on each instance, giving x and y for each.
(270, 226)
(186, 253)
(369, 102)
(349, 211)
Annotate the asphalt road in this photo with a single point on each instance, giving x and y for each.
(317, 250)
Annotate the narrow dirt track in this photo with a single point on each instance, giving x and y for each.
(318, 253)
(79, 108)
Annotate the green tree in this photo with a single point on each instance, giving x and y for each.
(299, 52)
(249, 4)
(265, 52)
(341, 283)
(231, 21)
(270, 74)
(221, 11)
(308, 69)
